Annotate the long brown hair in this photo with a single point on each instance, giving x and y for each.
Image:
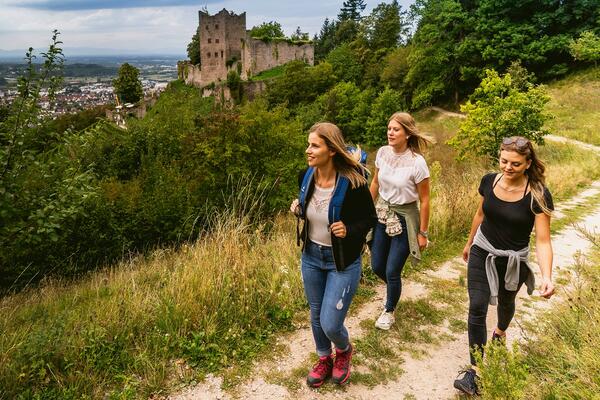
(535, 172)
(345, 163)
(417, 141)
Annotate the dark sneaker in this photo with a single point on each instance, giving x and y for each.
(320, 372)
(468, 383)
(341, 366)
(498, 338)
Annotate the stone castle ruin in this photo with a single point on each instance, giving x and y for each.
(226, 45)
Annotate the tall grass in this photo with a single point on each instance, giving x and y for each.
(132, 330)
(560, 358)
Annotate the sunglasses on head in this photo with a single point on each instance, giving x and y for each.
(518, 141)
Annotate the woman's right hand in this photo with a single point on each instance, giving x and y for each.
(465, 253)
(295, 207)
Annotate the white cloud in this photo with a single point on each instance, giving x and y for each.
(152, 30)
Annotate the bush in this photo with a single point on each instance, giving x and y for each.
(497, 110)
(388, 102)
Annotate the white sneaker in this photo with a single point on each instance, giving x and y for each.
(385, 320)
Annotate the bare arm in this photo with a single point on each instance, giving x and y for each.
(477, 220)
(374, 188)
(543, 250)
(423, 190)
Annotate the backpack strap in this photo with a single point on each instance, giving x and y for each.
(308, 177)
(337, 199)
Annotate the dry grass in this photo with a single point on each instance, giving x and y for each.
(121, 331)
(576, 105)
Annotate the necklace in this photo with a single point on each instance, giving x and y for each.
(514, 189)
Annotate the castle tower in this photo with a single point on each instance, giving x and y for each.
(221, 40)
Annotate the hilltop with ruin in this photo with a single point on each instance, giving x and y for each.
(226, 45)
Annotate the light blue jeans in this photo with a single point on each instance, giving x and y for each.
(329, 293)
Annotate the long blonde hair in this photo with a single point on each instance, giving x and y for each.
(345, 163)
(417, 141)
(535, 172)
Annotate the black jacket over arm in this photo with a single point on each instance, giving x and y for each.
(358, 214)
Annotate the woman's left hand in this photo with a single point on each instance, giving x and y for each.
(546, 288)
(422, 242)
(338, 229)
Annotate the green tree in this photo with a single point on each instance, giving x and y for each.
(127, 85)
(348, 107)
(388, 102)
(586, 47)
(351, 10)
(299, 35)
(266, 30)
(193, 49)
(325, 40)
(386, 26)
(435, 68)
(497, 109)
(300, 83)
(346, 64)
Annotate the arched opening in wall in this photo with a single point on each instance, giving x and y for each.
(221, 53)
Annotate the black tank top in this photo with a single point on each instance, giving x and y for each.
(508, 224)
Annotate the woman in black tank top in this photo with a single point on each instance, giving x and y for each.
(512, 203)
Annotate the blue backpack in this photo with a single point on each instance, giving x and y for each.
(337, 199)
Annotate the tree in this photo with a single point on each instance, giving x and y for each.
(346, 64)
(325, 40)
(497, 109)
(386, 26)
(299, 35)
(388, 102)
(267, 30)
(348, 107)
(127, 85)
(193, 49)
(586, 47)
(351, 10)
(435, 68)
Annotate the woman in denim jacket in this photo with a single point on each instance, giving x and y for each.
(333, 238)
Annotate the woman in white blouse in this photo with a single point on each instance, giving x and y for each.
(401, 179)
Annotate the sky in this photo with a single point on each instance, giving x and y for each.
(144, 26)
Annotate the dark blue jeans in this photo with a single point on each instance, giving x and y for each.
(329, 293)
(388, 256)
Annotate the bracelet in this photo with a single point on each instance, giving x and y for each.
(424, 234)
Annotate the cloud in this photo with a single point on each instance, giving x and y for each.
(73, 5)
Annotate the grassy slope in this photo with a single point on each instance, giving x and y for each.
(150, 324)
(576, 105)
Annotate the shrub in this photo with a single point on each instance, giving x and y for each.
(497, 110)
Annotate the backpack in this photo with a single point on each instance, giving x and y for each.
(341, 185)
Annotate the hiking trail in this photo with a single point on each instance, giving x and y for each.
(428, 369)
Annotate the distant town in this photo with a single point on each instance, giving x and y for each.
(88, 81)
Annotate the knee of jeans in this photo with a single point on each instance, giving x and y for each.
(332, 330)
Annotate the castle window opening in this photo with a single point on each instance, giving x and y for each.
(221, 53)
(209, 40)
(216, 54)
(208, 54)
(206, 27)
(216, 40)
(216, 26)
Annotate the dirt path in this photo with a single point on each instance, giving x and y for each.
(429, 373)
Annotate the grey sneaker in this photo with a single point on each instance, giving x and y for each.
(468, 383)
(385, 320)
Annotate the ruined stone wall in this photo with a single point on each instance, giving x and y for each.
(259, 55)
(190, 74)
(220, 40)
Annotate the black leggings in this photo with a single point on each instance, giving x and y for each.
(479, 297)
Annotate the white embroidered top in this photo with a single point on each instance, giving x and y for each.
(316, 213)
(398, 174)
